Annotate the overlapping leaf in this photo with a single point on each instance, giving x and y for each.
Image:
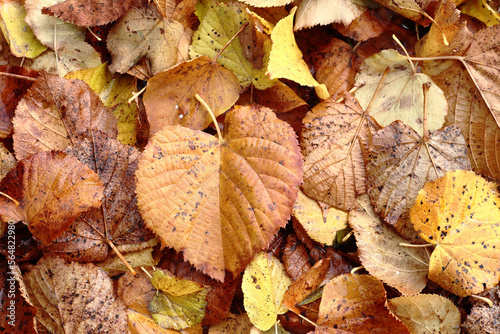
(459, 214)
(400, 162)
(322, 12)
(334, 137)
(199, 194)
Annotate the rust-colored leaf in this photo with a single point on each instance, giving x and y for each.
(295, 258)
(220, 202)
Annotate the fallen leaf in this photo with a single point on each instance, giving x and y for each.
(88, 13)
(482, 319)
(400, 162)
(458, 213)
(142, 258)
(170, 95)
(55, 114)
(295, 258)
(266, 3)
(73, 298)
(356, 304)
(403, 268)
(334, 136)
(424, 314)
(415, 10)
(370, 24)
(219, 22)
(401, 96)
(321, 12)
(7, 161)
(233, 324)
(55, 188)
(264, 284)
(285, 60)
(481, 11)
(141, 32)
(320, 226)
(19, 35)
(240, 189)
(280, 98)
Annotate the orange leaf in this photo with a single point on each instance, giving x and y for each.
(220, 202)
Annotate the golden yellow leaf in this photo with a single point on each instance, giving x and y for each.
(174, 286)
(459, 213)
(220, 202)
(140, 258)
(319, 227)
(424, 314)
(285, 60)
(481, 11)
(264, 284)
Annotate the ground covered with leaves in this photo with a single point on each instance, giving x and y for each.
(252, 166)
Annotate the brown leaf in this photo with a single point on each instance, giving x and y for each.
(240, 189)
(74, 298)
(400, 162)
(334, 137)
(280, 98)
(88, 13)
(54, 189)
(169, 98)
(370, 24)
(295, 258)
(8, 162)
(118, 220)
(55, 113)
(482, 320)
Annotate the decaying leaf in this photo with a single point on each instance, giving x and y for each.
(233, 324)
(199, 195)
(56, 113)
(7, 161)
(74, 298)
(412, 9)
(266, 3)
(403, 268)
(264, 284)
(295, 258)
(55, 188)
(322, 12)
(170, 95)
(401, 96)
(400, 162)
(356, 304)
(334, 137)
(459, 214)
(482, 320)
(424, 314)
(279, 98)
(88, 13)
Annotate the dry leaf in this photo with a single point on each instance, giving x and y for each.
(200, 195)
(403, 268)
(7, 161)
(170, 95)
(295, 258)
(264, 284)
(280, 98)
(412, 9)
(74, 298)
(481, 11)
(334, 137)
(372, 23)
(425, 314)
(233, 324)
(459, 214)
(482, 320)
(322, 12)
(266, 3)
(400, 162)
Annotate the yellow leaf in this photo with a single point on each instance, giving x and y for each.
(266, 3)
(459, 214)
(481, 11)
(264, 285)
(19, 35)
(114, 91)
(286, 60)
(174, 286)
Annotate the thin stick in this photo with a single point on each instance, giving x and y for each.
(198, 97)
(119, 254)
(227, 44)
(18, 76)
(404, 244)
(13, 200)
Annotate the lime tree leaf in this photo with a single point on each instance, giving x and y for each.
(481, 10)
(264, 284)
(459, 214)
(220, 202)
(321, 12)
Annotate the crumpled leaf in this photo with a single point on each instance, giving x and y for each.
(19, 35)
(54, 189)
(424, 314)
(459, 214)
(264, 284)
(170, 95)
(118, 220)
(320, 226)
(50, 30)
(321, 12)
(240, 189)
(481, 11)
(401, 96)
(403, 268)
(74, 298)
(180, 304)
(114, 91)
(356, 304)
(219, 22)
(141, 32)
(285, 60)
(88, 13)
(334, 136)
(400, 162)
(55, 113)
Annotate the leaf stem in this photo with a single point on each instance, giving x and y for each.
(13, 200)
(309, 321)
(406, 53)
(18, 76)
(377, 90)
(119, 254)
(229, 42)
(199, 98)
(425, 86)
(404, 244)
(484, 299)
